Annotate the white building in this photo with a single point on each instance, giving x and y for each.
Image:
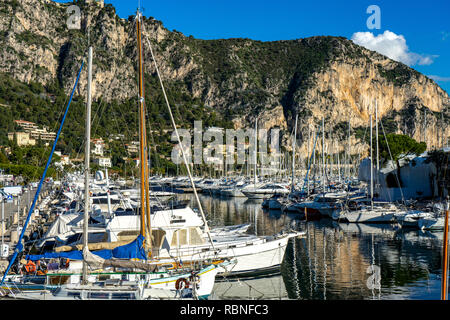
(103, 162)
(98, 147)
(65, 159)
(417, 175)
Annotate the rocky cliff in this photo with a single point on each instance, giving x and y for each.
(316, 77)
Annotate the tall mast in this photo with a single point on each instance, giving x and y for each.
(293, 152)
(144, 170)
(87, 150)
(309, 159)
(3, 225)
(314, 158)
(108, 194)
(323, 154)
(376, 132)
(145, 202)
(141, 127)
(348, 151)
(338, 162)
(371, 161)
(206, 227)
(256, 152)
(147, 189)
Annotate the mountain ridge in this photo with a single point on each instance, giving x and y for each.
(315, 77)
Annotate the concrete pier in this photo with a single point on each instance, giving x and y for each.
(15, 214)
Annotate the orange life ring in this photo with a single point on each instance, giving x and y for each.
(30, 267)
(178, 284)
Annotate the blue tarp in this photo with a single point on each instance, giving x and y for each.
(133, 250)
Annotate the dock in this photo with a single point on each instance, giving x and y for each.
(14, 216)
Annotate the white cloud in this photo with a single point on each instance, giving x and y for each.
(393, 46)
(439, 78)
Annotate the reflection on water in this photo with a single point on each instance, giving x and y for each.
(334, 260)
(267, 288)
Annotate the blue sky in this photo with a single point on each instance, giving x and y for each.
(414, 32)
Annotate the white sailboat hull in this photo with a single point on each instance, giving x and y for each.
(231, 193)
(368, 216)
(256, 256)
(261, 194)
(204, 283)
(153, 287)
(431, 223)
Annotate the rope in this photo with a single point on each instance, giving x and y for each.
(390, 154)
(103, 102)
(19, 246)
(181, 145)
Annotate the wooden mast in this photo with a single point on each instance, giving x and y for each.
(145, 202)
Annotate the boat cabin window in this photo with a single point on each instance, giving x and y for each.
(103, 277)
(190, 236)
(105, 201)
(179, 238)
(73, 294)
(99, 295)
(128, 235)
(330, 200)
(123, 296)
(34, 280)
(158, 237)
(195, 236)
(74, 238)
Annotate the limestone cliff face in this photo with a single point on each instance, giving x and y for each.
(350, 90)
(317, 77)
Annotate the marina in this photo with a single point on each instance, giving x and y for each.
(143, 164)
(333, 260)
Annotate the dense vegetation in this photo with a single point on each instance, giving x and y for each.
(242, 74)
(399, 146)
(45, 106)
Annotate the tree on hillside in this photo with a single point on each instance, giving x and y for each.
(399, 145)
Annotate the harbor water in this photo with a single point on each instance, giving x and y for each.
(334, 261)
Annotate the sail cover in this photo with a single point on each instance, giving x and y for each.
(132, 250)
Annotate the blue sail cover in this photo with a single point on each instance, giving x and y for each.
(133, 250)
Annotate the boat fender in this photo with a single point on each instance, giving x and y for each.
(181, 283)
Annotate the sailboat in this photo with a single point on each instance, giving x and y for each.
(381, 213)
(134, 267)
(301, 202)
(195, 244)
(261, 190)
